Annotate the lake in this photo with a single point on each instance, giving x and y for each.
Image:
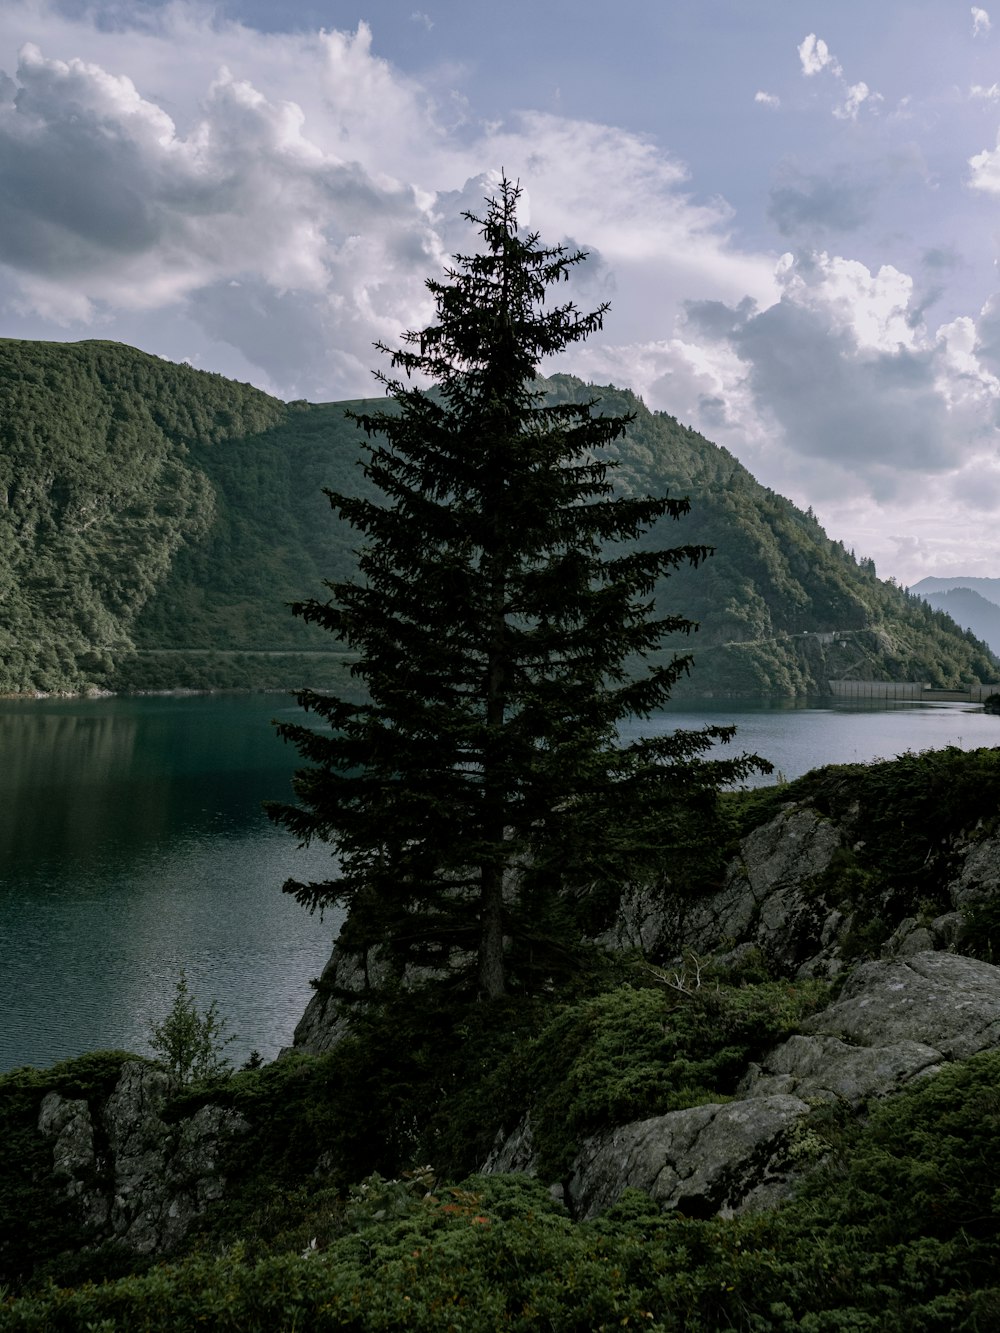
(132, 844)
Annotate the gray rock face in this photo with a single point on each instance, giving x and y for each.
(151, 1179)
(322, 1025)
(704, 1160)
(896, 1020)
(773, 900)
(768, 900)
(514, 1154)
(944, 1000)
(326, 1020)
(979, 877)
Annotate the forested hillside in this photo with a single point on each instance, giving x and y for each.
(156, 520)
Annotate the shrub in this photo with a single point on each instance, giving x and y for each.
(191, 1043)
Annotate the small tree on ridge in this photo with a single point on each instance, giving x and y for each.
(481, 783)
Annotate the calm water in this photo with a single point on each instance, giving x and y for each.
(132, 844)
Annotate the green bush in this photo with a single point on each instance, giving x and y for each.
(191, 1043)
(642, 1051)
(899, 1231)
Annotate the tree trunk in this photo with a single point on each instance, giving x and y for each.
(491, 969)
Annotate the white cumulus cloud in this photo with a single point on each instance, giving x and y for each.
(980, 22)
(985, 170)
(815, 56)
(857, 94)
(767, 99)
(290, 199)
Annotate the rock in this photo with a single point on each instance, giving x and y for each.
(944, 1000)
(827, 1069)
(323, 1024)
(895, 1020)
(74, 1159)
(326, 1020)
(513, 1154)
(909, 937)
(773, 901)
(979, 877)
(639, 923)
(701, 1161)
(152, 1179)
(69, 1122)
(769, 900)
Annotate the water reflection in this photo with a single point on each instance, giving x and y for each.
(133, 844)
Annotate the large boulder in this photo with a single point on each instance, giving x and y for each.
(895, 1020)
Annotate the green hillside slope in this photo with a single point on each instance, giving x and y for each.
(156, 520)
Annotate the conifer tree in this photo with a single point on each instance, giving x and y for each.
(480, 788)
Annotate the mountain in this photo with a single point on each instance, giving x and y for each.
(155, 520)
(968, 608)
(988, 588)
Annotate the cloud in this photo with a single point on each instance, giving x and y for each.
(985, 170)
(980, 94)
(105, 198)
(837, 389)
(808, 204)
(270, 204)
(815, 56)
(425, 20)
(980, 22)
(767, 99)
(857, 95)
(298, 232)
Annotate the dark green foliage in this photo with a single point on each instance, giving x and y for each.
(898, 1232)
(97, 495)
(481, 786)
(632, 1053)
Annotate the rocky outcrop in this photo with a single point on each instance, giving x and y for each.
(344, 982)
(770, 901)
(781, 897)
(323, 1024)
(896, 1020)
(133, 1177)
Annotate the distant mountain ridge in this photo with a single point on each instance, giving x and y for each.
(973, 603)
(155, 521)
(987, 588)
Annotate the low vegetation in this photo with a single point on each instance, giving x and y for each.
(897, 1231)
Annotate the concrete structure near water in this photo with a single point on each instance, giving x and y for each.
(915, 690)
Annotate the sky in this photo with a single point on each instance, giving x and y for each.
(792, 207)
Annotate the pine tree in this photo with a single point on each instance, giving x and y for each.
(480, 789)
